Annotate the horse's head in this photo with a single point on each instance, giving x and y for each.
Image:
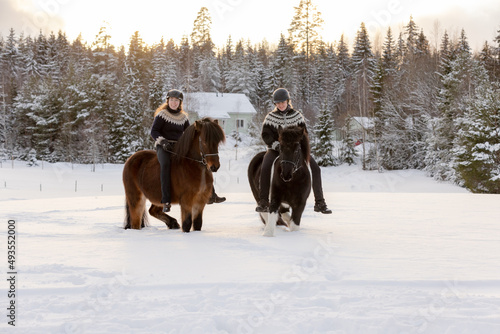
(210, 135)
(294, 148)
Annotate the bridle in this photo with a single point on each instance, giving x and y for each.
(296, 163)
(203, 160)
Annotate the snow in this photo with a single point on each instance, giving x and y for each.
(401, 253)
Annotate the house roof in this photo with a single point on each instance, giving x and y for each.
(217, 105)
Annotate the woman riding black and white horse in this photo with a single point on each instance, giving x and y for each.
(284, 116)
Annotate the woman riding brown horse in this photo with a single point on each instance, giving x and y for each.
(195, 157)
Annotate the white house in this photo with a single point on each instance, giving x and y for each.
(234, 111)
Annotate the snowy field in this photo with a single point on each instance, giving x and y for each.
(401, 253)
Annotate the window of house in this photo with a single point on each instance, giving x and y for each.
(239, 123)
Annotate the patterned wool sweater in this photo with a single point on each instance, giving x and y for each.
(275, 119)
(169, 124)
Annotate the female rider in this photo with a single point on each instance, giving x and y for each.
(284, 116)
(169, 124)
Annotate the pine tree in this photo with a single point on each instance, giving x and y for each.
(478, 140)
(282, 66)
(203, 52)
(135, 115)
(305, 27)
(487, 58)
(456, 88)
(323, 133)
(344, 64)
(364, 71)
(186, 66)
(348, 150)
(496, 52)
(159, 67)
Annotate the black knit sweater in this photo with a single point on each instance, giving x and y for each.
(275, 119)
(169, 124)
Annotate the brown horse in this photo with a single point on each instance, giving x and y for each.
(195, 157)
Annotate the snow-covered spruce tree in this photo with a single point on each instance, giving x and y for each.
(348, 149)
(323, 137)
(282, 67)
(364, 71)
(204, 70)
(344, 65)
(38, 107)
(477, 146)
(240, 78)
(11, 80)
(457, 84)
(135, 116)
(261, 99)
(159, 70)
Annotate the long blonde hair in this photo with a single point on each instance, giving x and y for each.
(165, 105)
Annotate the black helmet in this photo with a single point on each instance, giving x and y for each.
(280, 95)
(175, 93)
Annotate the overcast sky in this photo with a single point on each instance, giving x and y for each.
(249, 19)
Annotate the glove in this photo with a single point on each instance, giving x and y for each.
(166, 145)
(276, 146)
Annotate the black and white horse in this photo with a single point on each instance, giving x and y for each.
(290, 180)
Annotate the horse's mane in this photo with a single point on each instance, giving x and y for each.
(290, 134)
(210, 130)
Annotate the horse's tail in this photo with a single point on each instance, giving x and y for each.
(126, 224)
(254, 173)
(144, 218)
(135, 200)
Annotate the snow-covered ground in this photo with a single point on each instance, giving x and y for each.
(401, 253)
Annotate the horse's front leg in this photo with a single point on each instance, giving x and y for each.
(294, 223)
(272, 219)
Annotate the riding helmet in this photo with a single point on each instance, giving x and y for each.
(280, 95)
(175, 93)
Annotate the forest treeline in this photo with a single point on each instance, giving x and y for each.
(435, 109)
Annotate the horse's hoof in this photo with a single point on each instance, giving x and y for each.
(268, 234)
(174, 226)
(294, 227)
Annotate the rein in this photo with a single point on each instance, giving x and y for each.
(203, 159)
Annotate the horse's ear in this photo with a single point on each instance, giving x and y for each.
(216, 121)
(197, 125)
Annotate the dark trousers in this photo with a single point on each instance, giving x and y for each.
(265, 176)
(165, 159)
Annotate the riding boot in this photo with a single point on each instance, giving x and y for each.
(320, 206)
(215, 198)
